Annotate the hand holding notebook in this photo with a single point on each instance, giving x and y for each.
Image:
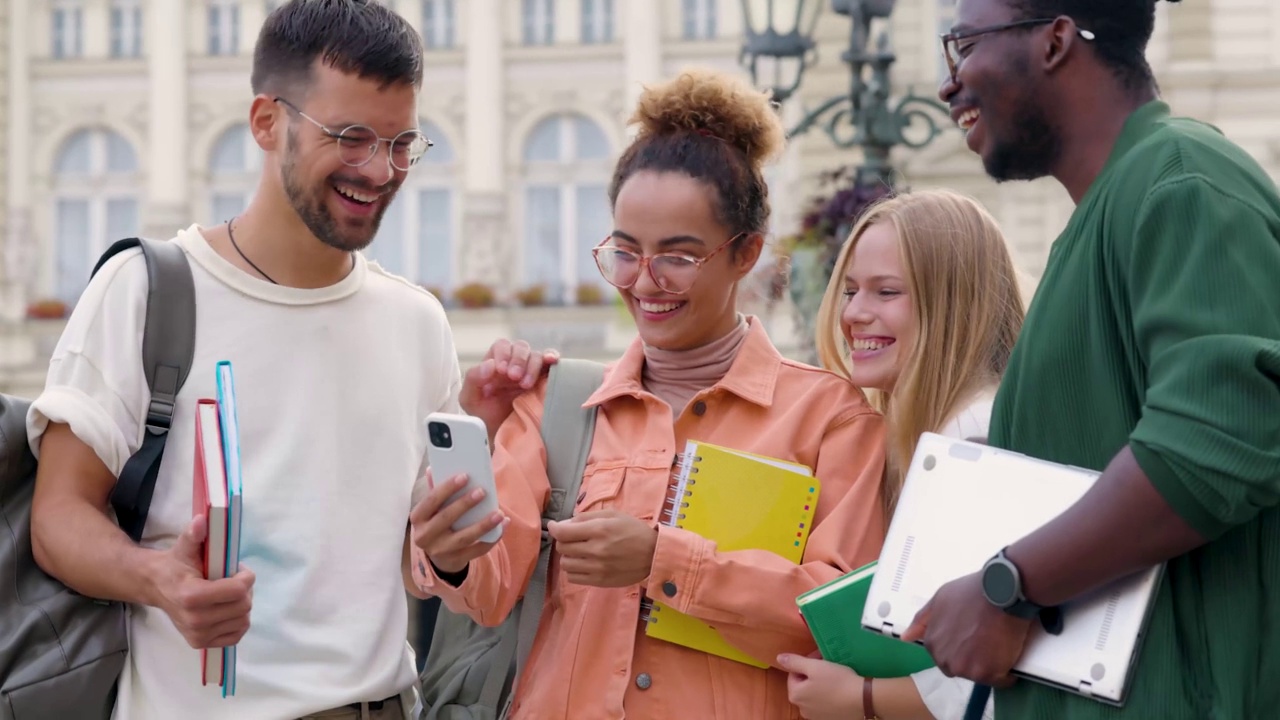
(211, 546)
(833, 612)
(740, 501)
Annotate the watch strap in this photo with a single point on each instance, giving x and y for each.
(1024, 609)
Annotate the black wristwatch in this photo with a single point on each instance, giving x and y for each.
(1002, 585)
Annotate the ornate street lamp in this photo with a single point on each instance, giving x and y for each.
(865, 117)
(785, 41)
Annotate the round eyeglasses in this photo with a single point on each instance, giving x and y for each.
(673, 272)
(358, 144)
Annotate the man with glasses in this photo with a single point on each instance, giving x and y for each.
(1151, 353)
(337, 365)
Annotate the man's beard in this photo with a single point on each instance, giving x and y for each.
(1032, 150)
(311, 207)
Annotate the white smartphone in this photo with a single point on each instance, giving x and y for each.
(459, 444)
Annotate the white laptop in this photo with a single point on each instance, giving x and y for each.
(963, 502)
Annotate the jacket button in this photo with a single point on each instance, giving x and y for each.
(643, 681)
(699, 408)
(669, 589)
(581, 496)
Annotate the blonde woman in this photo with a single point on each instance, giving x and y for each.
(922, 313)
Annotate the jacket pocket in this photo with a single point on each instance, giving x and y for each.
(600, 489)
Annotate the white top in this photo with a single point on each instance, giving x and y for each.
(333, 386)
(946, 698)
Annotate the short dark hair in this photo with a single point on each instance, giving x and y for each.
(1122, 27)
(353, 36)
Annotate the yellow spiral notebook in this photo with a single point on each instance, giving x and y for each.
(740, 501)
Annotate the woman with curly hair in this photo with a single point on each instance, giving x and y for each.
(690, 210)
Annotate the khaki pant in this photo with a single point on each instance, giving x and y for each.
(393, 708)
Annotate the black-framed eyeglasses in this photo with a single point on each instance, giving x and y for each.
(954, 52)
(358, 144)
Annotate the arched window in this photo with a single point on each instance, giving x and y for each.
(95, 203)
(566, 205)
(234, 163)
(415, 239)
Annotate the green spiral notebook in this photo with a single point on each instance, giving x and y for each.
(833, 612)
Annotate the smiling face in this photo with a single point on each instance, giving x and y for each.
(343, 205)
(996, 97)
(878, 319)
(673, 213)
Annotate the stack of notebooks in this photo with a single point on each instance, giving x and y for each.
(741, 502)
(216, 494)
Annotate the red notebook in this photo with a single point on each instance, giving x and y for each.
(209, 498)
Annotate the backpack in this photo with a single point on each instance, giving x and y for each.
(471, 670)
(61, 653)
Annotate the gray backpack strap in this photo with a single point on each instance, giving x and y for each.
(168, 344)
(567, 431)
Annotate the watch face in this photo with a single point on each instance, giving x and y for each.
(999, 584)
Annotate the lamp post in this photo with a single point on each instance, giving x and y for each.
(865, 117)
(780, 33)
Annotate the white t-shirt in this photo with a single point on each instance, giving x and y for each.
(947, 698)
(333, 386)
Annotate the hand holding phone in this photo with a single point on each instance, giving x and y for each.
(459, 445)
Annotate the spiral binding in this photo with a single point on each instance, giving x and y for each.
(679, 492)
(647, 611)
(683, 468)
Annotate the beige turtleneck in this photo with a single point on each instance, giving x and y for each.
(676, 376)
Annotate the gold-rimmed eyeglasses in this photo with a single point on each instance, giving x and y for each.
(673, 272)
(954, 52)
(358, 144)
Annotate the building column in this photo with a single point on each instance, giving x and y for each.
(95, 30)
(484, 217)
(21, 247)
(168, 153)
(642, 46)
(253, 13)
(568, 22)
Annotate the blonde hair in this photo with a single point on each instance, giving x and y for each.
(968, 304)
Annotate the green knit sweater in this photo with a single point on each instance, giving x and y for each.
(1157, 325)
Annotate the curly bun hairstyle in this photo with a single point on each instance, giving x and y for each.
(712, 127)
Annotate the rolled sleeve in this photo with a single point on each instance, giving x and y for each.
(96, 384)
(1206, 312)
(88, 419)
(676, 559)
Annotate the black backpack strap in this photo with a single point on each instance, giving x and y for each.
(168, 344)
(977, 702)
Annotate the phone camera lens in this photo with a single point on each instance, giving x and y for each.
(439, 435)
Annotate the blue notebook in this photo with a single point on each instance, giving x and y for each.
(231, 448)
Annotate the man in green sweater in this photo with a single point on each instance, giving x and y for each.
(1151, 352)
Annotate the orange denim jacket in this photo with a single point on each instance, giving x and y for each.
(591, 658)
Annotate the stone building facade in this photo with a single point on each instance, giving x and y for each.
(126, 116)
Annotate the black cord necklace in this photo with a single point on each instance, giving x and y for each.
(232, 235)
